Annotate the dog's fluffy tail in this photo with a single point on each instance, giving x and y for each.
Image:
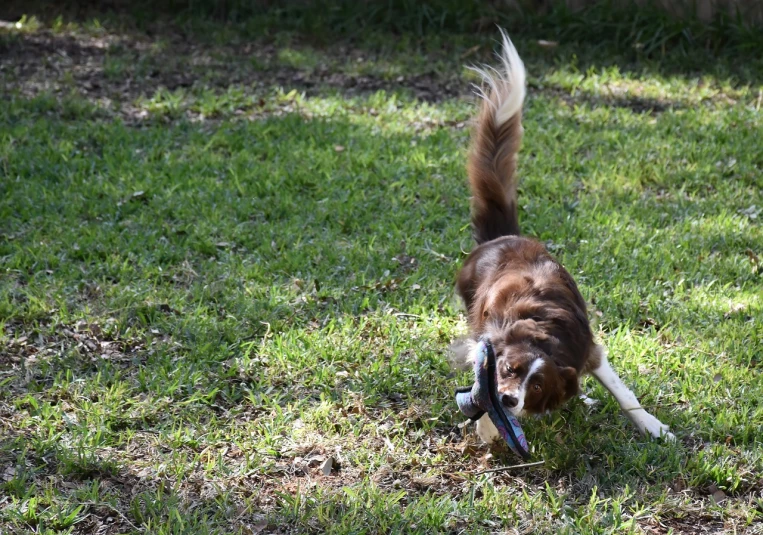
(495, 143)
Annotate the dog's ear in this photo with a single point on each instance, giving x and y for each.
(569, 377)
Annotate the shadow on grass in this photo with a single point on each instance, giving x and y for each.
(51, 486)
(127, 64)
(89, 489)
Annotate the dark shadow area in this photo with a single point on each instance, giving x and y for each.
(96, 492)
(103, 496)
(636, 41)
(122, 74)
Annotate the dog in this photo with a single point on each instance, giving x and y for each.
(514, 291)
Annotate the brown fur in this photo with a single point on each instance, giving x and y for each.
(513, 289)
(516, 293)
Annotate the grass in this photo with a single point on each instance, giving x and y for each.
(239, 265)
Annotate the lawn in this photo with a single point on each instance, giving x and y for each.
(227, 265)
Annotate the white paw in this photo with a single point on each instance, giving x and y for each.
(650, 425)
(486, 430)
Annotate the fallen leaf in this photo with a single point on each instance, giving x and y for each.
(327, 465)
(547, 44)
(424, 482)
(9, 473)
(752, 211)
(471, 51)
(735, 308)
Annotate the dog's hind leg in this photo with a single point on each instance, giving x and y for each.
(645, 422)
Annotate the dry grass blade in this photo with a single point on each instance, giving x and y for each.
(507, 468)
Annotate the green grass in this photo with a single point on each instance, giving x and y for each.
(209, 289)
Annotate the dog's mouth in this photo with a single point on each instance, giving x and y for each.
(512, 403)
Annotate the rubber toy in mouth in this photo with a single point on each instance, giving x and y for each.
(482, 397)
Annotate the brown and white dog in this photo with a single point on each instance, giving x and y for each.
(513, 289)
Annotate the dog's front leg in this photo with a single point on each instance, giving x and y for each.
(486, 430)
(645, 422)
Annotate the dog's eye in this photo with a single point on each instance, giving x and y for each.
(511, 372)
(536, 388)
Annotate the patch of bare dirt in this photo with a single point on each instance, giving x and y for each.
(119, 69)
(115, 71)
(636, 104)
(24, 349)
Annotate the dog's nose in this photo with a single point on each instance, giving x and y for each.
(509, 401)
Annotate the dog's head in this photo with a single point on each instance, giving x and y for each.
(530, 380)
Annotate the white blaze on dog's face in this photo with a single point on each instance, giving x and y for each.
(514, 381)
(529, 382)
